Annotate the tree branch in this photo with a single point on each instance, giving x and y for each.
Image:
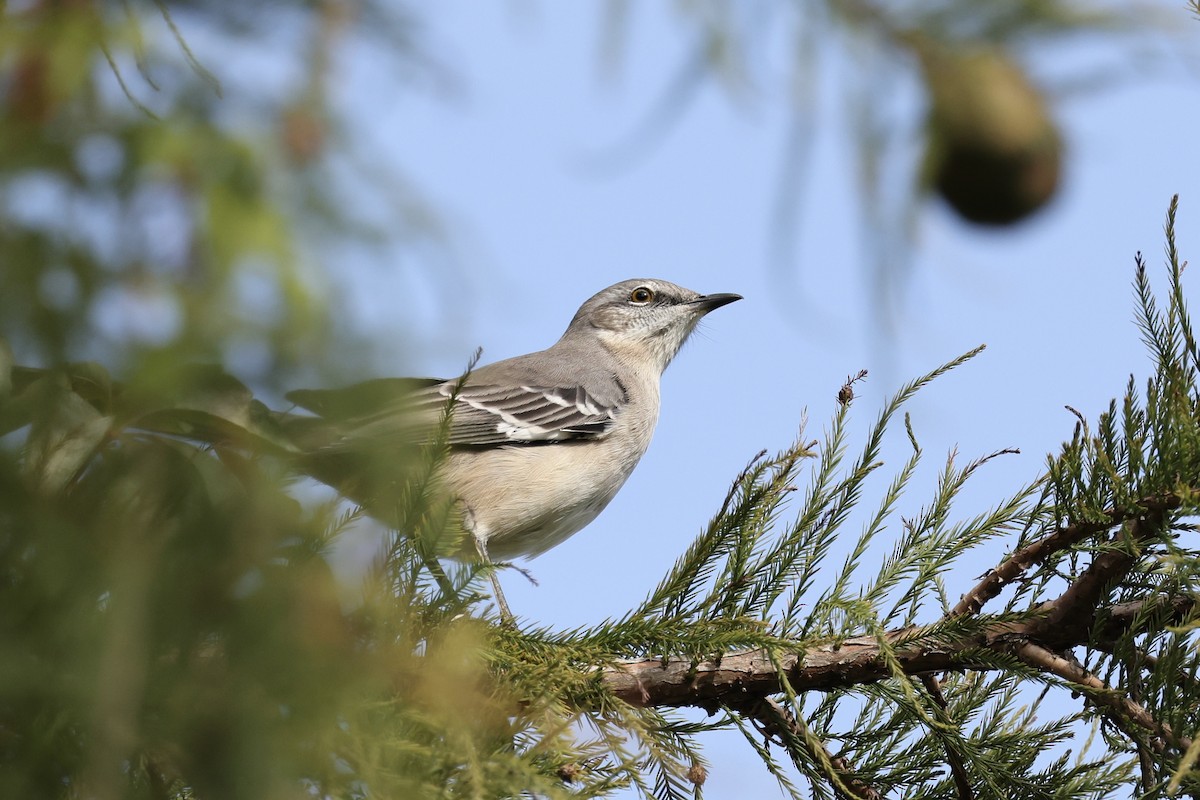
(1081, 597)
(774, 720)
(738, 678)
(1015, 565)
(962, 780)
(1121, 709)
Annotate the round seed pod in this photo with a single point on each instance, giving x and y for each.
(993, 152)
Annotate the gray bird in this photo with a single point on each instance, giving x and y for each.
(539, 444)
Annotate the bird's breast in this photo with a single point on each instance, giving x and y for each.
(524, 499)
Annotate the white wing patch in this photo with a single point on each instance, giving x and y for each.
(532, 414)
(530, 433)
(580, 401)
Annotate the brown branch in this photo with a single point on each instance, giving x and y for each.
(1081, 597)
(1015, 565)
(772, 720)
(741, 677)
(962, 780)
(1121, 708)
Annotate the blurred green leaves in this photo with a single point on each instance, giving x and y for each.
(62, 438)
(126, 232)
(155, 596)
(169, 622)
(172, 628)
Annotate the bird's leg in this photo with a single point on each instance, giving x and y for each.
(481, 545)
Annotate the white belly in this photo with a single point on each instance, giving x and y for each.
(525, 499)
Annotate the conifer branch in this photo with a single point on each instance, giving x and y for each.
(962, 781)
(1062, 538)
(777, 723)
(1081, 597)
(738, 678)
(1121, 709)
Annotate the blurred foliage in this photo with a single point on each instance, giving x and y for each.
(153, 211)
(987, 144)
(171, 626)
(169, 623)
(123, 227)
(155, 204)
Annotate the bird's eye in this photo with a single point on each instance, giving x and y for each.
(641, 295)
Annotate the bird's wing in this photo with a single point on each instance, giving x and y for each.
(488, 415)
(483, 414)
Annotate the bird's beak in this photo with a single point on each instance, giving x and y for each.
(711, 301)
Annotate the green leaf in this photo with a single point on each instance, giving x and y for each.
(205, 403)
(66, 432)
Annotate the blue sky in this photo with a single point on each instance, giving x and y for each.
(534, 232)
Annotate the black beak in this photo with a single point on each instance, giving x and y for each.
(712, 301)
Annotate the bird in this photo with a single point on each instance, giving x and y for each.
(537, 445)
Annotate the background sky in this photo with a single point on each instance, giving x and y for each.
(508, 161)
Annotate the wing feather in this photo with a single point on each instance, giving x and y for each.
(484, 415)
(494, 415)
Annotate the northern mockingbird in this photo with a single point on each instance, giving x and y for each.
(539, 443)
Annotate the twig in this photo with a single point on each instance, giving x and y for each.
(773, 720)
(1121, 708)
(1145, 759)
(1015, 565)
(962, 781)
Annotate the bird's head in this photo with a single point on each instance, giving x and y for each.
(644, 318)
